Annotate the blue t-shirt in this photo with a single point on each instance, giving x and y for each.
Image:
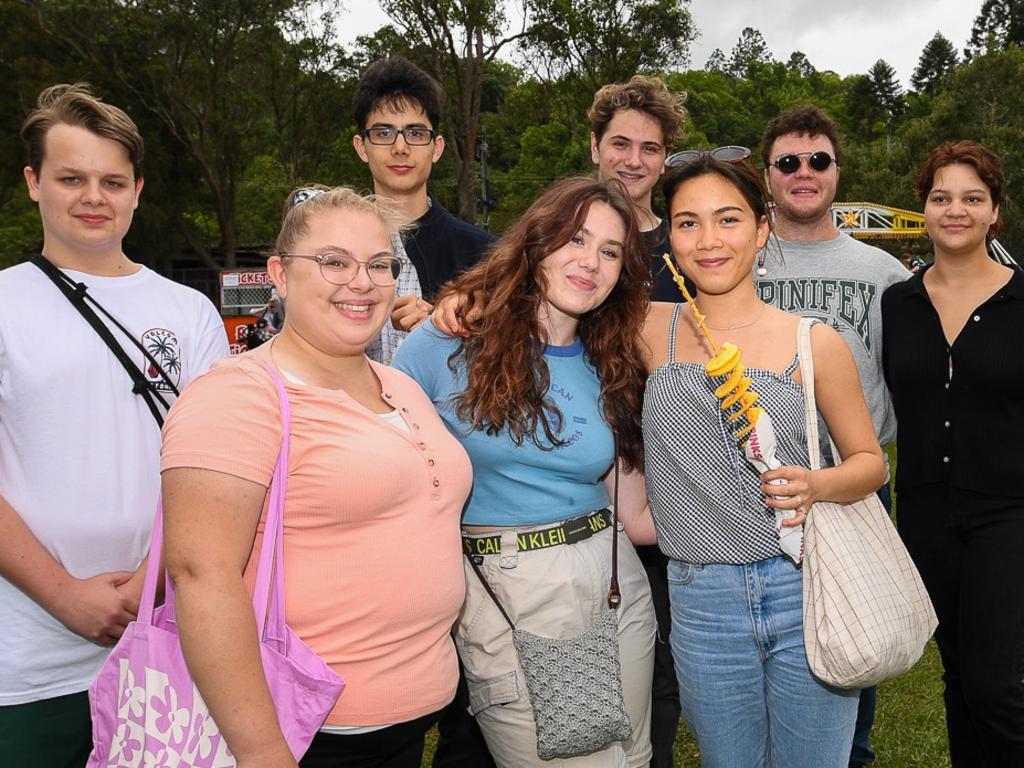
(518, 485)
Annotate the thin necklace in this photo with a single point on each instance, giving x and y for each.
(740, 325)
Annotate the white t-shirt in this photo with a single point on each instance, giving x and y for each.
(79, 453)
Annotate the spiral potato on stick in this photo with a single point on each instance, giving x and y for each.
(752, 427)
(734, 394)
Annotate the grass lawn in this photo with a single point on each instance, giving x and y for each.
(910, 725)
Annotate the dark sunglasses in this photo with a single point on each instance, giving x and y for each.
(729, 154)
(818, 161)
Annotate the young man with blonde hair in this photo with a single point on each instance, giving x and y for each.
(79, 449)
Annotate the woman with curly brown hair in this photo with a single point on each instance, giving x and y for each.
(548, 379)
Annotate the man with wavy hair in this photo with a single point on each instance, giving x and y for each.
(633, 126)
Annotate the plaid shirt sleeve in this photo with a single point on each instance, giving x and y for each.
(383, 348)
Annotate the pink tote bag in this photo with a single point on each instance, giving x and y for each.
(147, 711)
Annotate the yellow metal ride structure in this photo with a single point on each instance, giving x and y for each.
(872, 220)
(876, 221)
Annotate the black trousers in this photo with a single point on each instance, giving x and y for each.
(460, 744)
(397, 746)
(861, 753)
(665, 707)
(56, 733)
(969, 548)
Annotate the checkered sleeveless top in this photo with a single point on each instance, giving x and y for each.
(705, 496)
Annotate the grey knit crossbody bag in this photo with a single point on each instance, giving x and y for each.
(575, 683)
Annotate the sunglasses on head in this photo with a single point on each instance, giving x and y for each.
(728, 154)
(818, 161)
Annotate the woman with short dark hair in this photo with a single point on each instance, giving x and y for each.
(952, 340)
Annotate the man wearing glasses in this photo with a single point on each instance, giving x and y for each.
(826, 274)
(397, 110)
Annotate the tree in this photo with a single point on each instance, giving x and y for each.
(596, 42)
(717, 62)
(750, 49)
(865, 120)
(938, 59)
(998, 25)
(208, 72)
(461, 38)
(887, 92)
(799, 63)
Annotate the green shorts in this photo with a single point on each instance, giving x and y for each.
(56, 733)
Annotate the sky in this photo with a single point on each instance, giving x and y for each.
(845, 37)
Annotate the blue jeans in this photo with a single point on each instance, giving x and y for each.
(747, 693)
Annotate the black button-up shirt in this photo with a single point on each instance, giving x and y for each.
(960, 408)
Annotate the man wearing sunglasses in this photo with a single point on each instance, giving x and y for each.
(827, 274)
(397, 110)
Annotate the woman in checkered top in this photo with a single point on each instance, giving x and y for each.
(747, 693)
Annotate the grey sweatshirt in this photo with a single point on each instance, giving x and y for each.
(840, 282)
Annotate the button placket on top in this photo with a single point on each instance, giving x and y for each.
(415, 436)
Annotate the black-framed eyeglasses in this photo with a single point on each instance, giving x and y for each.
(415, 135)
(788, 164)
(341, 268)
(731, 153)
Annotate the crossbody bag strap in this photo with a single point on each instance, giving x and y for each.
(77, 294)
(614, 596)
(489, 591)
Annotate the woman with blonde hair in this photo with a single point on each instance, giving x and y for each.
(372, 474)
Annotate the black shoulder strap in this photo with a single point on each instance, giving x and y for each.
(77, 294)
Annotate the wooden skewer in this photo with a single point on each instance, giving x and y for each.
(681, 282)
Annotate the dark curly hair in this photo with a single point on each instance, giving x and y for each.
(806, 119)
(508, 378)
(394, 84)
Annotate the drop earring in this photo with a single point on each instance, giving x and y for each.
(761, 271)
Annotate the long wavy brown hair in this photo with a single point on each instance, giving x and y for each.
(508, 378)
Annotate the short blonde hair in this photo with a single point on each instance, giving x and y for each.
(306, 201)
(76, 105)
